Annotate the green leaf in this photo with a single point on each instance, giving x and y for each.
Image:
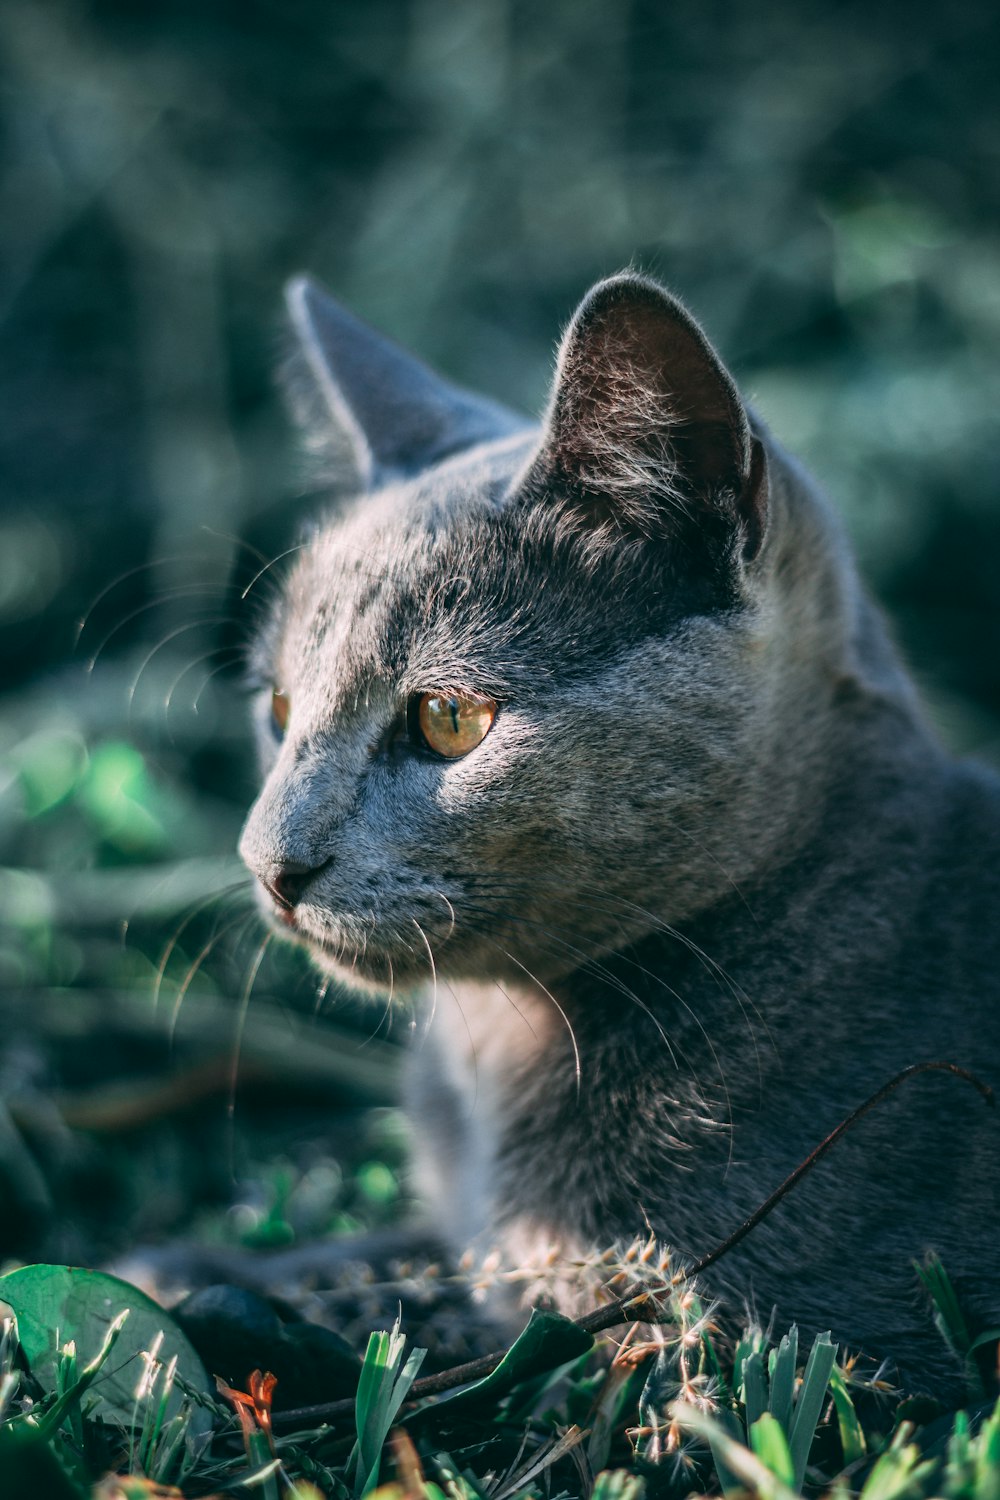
(382, 1388)
(988, 1458)
(852, 1437)
(768, 1441)
(732, 1427)
(948, 1313)
(754, 1387)
(899, 1472)
(752, 1340)
(781, 1373)
(56, 1304)
(548, 1341)
(809, 1405)
(753, 1474)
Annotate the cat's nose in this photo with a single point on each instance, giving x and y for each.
(287, 882)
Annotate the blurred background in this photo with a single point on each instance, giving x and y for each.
(819, 182)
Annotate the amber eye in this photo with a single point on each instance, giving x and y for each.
(452, 724)
(281, 706)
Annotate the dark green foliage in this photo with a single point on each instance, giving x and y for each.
(63, 1423)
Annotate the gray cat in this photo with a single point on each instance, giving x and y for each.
(589, 732)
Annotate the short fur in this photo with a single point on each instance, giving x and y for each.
(709, 880)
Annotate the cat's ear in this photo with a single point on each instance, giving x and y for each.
(646, 434)
(354, 389)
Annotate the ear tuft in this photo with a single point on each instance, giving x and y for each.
(352, 388)
(646, 433)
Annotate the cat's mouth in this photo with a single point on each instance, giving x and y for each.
(361, 950)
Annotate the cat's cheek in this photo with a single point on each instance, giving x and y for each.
(491, 773)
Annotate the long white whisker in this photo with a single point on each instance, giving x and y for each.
(430, 955)
(182, 591)
(321, 995)
(196, 910)
(511, 1001)
(268, 565)
(146, 567)
(171, 636)
(236, 541)
(566, 1020)
(472, 1045)
(241, 1018)
(210, 676)
(196, 964)
(231, 654)
(451, 912)
(595, 967)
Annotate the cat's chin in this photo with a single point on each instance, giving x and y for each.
(373, 976)
(367, 969)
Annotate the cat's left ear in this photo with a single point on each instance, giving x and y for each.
(359, 395)
(646, 435)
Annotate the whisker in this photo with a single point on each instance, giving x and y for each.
(511, 1001)
(241, 1017)
(299, 547)
(386, 1012)
(146, 567)
(451, 913)
(596, 967)
(719, 974)
(242, 920)
(196, 910)
(472, 1044)
(210, 676)
(172, 636)
(430, 955)
(231, 654)
(321, 995)
(593, 966)
(181, 591)
(566, 1020)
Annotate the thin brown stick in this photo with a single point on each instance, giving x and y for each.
(625, 1308)
(638, 1305)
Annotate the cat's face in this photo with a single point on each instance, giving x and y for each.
(501, 701)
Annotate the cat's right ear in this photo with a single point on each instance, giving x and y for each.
(358, 396)
(646, 435)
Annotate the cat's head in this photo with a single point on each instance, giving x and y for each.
(510, 707)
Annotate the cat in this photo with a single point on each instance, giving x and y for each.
(587, 734)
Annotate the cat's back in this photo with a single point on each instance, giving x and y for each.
(951, 956)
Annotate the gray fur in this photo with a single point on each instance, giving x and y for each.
(708, 881)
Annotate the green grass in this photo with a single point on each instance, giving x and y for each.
(96, 1381)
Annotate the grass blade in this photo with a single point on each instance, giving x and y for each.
(754, 1388)
(768, 1441)
(810, 1403)
(781, 1366)
(852, 1437)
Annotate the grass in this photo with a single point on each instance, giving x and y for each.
(94, 1405)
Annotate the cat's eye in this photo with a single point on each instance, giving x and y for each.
(452, 724)
(281, 707)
